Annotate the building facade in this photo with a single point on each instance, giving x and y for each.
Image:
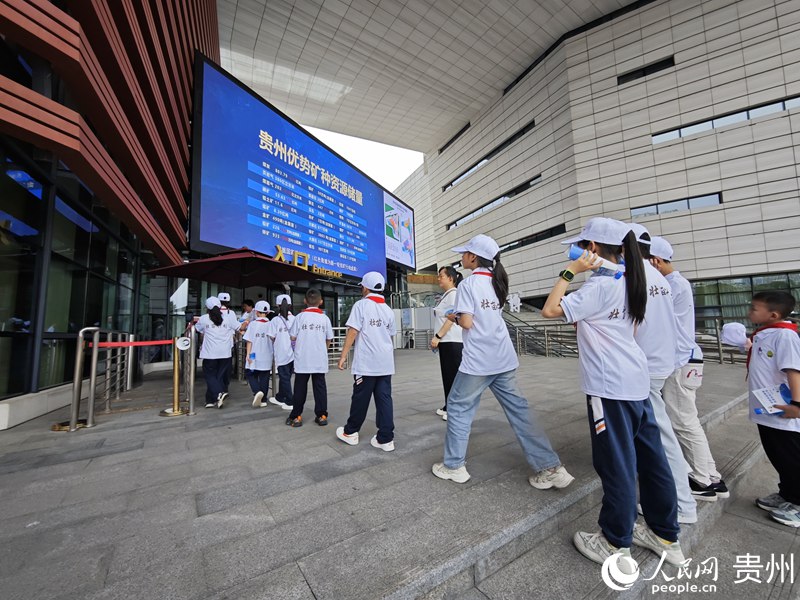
(681, 115)
(95, 120)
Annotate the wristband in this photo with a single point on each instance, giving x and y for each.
(795, 403)
(437, 336)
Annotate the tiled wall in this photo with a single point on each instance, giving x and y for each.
(593, 143)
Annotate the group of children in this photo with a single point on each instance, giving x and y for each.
(284, 342)
(639, 368)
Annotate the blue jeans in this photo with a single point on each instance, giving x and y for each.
(285, 383)
(462, 403)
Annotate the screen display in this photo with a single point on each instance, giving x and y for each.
(263, 182)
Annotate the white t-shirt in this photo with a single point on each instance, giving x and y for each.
(683, 302)
(230, 317)
(311, 328)
(774, 350)
(258, 334)
(487, 346)
(656, 334)
(373, 354)
(217, 339)
(446, 303)
(282, 341)
(611, 363)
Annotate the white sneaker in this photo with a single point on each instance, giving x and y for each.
(440, 412)
(210, 404)
(257, 400)
(274, 400)
(644, 537)
(221, 399)
(351, 439)
(444, 417)
(285, 406)
(597, 548)
(555, 477)
(387, 447)
(459, 475)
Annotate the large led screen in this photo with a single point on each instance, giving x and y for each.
(399, 225)
(261, 181)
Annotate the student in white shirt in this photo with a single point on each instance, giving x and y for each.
(626, 442)
(215, 351)
(680, 388)
(371, 329)
(248, 314)
(489, 361)
(656, 337)
(312, 334)
(258, 366)
(230, 318)
(284, 354)
(774, 359)
(447, 340)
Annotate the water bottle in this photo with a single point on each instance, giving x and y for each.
(575, 252)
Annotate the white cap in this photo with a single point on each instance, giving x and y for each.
(373, 281)
(733, 334)
(279, 300)
(212, 302)
(224, 297)
(660, 248)
(601, 230)
(639, 230)
(262, 306)
(481, 245)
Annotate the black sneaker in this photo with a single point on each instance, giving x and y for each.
(296, 422)
(321, 421)
(702, 492)
(720, 489)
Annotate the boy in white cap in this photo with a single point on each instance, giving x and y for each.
(371, 328)
(282, 347)
(680, 388)
(656, 337)
(489, 360)
(311, 333)
(258, 364)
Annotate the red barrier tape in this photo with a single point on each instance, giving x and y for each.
(129, 344)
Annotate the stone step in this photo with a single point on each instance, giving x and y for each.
(561, 572)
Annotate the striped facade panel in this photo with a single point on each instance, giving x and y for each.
(128, 66)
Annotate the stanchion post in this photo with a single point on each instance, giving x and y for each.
(107, 393)
(719, 341)
(129, 363)
(93, 379)
(122, 337)
(176, 385)
(192, 367)
(77, 382)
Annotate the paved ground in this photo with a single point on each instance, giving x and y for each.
(233, 504)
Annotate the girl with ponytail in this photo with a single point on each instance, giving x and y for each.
(626, 441)
(489, 361)
(283, 351)
(215, 351)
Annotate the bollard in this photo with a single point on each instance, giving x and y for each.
(192, 368)
(176, 410)
(77, 382)
(93, 379)
(129, 364)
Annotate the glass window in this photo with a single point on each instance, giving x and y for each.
(696, 128)
(57, 361)
(730, 119)
(66, 288)
(101, 303)
(71, 233)
(703, 201)
(706, 300)
(794, 280)
(770, 282)
(735, 304)
(14, 364)
(793, 103)
(666, 136)
(669, 207)
(737, 284)
(644, 211)
(705, 287)
(766, 110)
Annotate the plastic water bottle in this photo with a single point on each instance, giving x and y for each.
(575, 252)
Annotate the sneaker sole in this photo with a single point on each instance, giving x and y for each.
(578, 543)
(788, 523)
(766, 507)
(451, 478)
(257, 400)
(701, 498)
(379, 446)
(321, 423)
(348, 441)
(560, 484)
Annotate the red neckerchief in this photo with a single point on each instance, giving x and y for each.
(262, 320)
(376, 298)
(781, 325)
(486, 273)
(314, 309)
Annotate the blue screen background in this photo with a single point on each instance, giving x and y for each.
(233, 212)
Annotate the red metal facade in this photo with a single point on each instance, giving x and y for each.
(129, 66)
